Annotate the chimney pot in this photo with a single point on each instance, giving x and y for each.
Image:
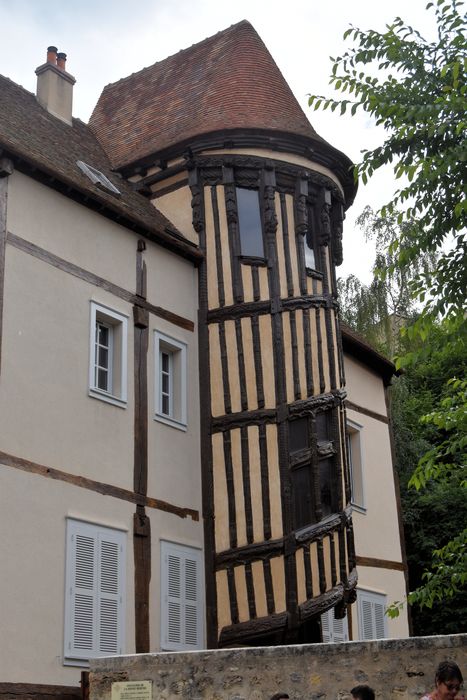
(52, 55)
(61, 60)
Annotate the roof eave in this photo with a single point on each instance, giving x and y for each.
(311, 147)
(360, 349)
(92, 200)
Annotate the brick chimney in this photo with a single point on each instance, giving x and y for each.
(55, 86)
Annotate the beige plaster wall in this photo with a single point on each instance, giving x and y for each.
(71, 231)
(32, 583)
(177, 208)
(387, 582)
(46, 413)
(400, 669)
(98, 244)
(376, 529)
(364, 387)
(47, 416)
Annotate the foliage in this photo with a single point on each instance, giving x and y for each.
(432, 515)
(417, 91)
(380, 309)
(422, 107)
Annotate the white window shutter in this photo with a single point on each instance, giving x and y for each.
(380, 620)
(174, 598)
(95, 575)
(109, 596)
(371, 615)
(340, 630)
(181, 603)
(83, 593)
(191, 621)
(326, 627)
(332, 630)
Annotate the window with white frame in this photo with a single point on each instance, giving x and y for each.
(95, 591)
(108, 355)
(355, 457)
(333, 630)
(170, 380)
(181, 597)
(372, 623)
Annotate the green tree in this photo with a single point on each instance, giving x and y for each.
(416, 89)
(380, 309)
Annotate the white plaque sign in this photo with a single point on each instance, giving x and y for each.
(132, 690)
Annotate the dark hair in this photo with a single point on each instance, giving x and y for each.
(279, 696)
(363, 692)
(448, 671)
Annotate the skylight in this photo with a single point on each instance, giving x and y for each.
(97, 177)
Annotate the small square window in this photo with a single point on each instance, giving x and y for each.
(108, 355)
(170, 380)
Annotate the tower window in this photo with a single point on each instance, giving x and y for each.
(249, 223)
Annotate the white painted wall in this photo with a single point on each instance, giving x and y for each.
(376, 530)
(47, 416)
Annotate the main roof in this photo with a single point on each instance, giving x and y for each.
(49, 149)
(226, 82)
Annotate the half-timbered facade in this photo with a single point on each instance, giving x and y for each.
(193, 230)
(267, 198)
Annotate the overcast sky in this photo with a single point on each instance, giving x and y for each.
(106, 40)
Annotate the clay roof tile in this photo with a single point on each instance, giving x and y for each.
(228, 81)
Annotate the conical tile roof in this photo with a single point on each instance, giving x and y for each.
(226, 82)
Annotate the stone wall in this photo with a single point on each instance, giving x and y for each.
(398, 669)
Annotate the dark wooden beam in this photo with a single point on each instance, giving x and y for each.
(261, 626)
(380, 563)
(36, 691)
(142, 560)
(95, 280)
(351, 406)
(141, 522)
(96, 486)
(4, 173)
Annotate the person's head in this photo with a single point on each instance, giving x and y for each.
(280, 696)
(448, 680)
(362, 692)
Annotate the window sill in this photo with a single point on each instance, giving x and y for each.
(170, 421)
(314, 273)
(108, 398)
(358, 509)
(78, 663)
(252, 260)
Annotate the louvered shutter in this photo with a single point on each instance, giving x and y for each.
(380, 620)
(326, 627)
(82, 592)
(371, 616)
(332, 630)
(109, 596)
(94, 591)
(181, 602)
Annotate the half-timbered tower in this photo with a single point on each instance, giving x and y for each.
(266, 196)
